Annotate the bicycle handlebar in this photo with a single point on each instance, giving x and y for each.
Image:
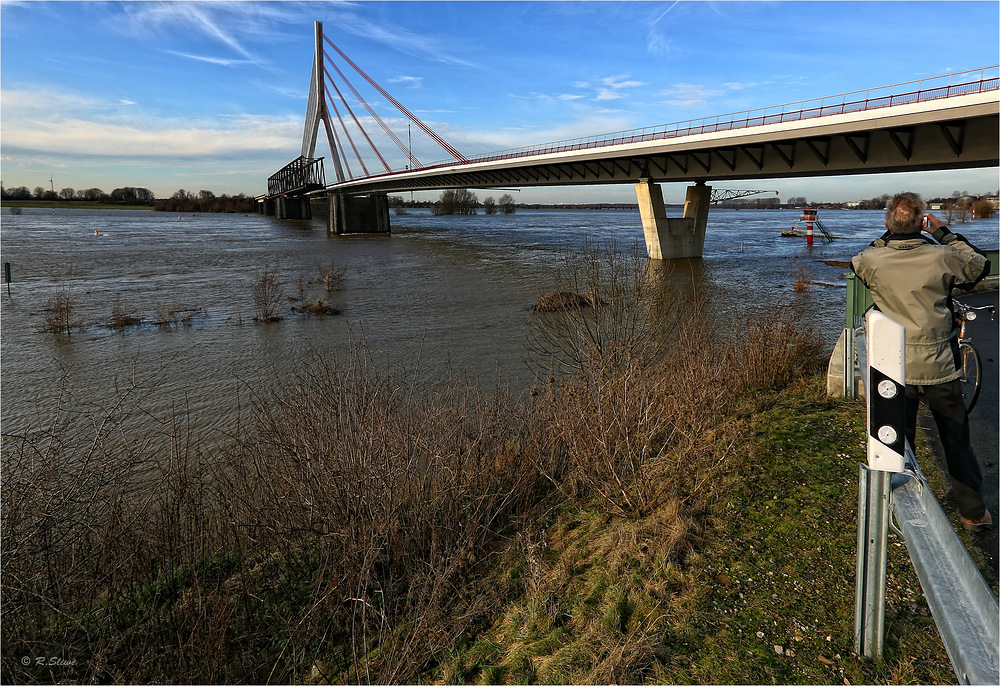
(968, 312)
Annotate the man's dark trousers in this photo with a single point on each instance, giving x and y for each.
(947, 407)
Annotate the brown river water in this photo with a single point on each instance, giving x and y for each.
(439, 294)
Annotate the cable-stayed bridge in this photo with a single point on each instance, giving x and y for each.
(946, 122)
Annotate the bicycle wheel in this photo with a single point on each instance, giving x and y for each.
(971, 379)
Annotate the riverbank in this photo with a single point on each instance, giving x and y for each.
(739, 568)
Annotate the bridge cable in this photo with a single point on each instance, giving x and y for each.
(440, 141)
(348, 133)
(372, 112)
(333, 130)
(356, 121)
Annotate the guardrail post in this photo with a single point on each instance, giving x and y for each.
(885, 383)
(874, 489)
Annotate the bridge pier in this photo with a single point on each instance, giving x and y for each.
(292, 208)
(358, 214)
(669, 238)
(266, 206)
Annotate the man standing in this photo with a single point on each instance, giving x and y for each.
(911, 279)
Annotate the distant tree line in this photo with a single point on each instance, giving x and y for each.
(205, 201)
(181, 201)
(128, 195)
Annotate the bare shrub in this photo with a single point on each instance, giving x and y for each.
(606, 313)
(643, 436)
(772, 350)
(167, 314)
(333, 277)
(94, 513)
(398, 487)
(58, 314)
(122, 314)
(267, 296)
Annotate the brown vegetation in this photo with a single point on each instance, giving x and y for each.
(57, 314)
(357, 529)
(630, 324)
(267, 296)
(122, 315)
(316, 307)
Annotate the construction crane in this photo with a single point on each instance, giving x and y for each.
(723, 194)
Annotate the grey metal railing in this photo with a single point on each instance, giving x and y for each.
(964, 609)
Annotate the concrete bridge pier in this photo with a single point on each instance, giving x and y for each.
(358, 213)
(293, 208)
(669, 238)
(267, 207)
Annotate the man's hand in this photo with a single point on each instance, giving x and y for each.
(932, 223)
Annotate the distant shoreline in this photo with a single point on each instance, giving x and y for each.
(72, 205)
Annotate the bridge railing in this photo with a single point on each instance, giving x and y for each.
(301, 174)
(923, 90)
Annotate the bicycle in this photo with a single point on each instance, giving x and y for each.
(971, 363)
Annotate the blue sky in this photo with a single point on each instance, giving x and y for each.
(170, 95)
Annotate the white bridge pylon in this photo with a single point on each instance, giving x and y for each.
(322, 109)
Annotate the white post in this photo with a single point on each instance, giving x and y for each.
(885, 385)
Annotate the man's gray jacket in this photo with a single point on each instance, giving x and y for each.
(911, 280)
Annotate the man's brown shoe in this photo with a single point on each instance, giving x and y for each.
(981, 524)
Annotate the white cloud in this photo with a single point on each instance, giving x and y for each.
(613, 87)
(68, 125)
(409, 81)
(688, 94)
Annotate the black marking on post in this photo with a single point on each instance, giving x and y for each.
(887, 411)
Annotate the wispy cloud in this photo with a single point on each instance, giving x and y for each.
(657, 40)
(686, 94)
(613, 87)
(221, 61)
(145, 18)
(408, 81)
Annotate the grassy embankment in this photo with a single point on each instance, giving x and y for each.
(689, 520)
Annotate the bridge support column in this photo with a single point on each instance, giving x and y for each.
(266, 207)
(358, 214)
(669, 238)
(293, 208)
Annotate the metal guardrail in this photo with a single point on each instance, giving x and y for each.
(964, 609)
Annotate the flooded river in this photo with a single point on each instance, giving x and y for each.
(439, 293)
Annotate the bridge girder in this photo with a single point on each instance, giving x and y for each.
(966, 138)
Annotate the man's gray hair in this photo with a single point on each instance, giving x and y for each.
(904, 213)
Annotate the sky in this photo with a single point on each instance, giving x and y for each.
(213, 95)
